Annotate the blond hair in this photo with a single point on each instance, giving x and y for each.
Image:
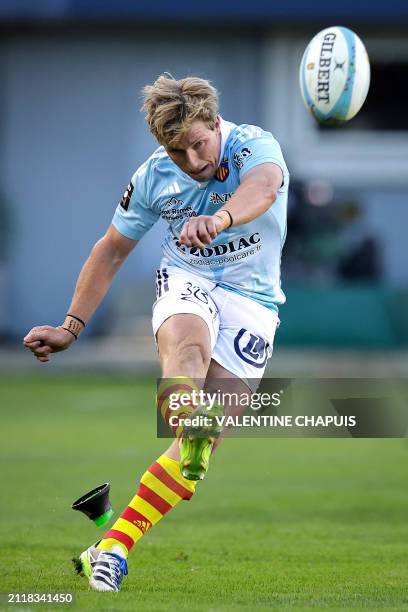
(172, 105)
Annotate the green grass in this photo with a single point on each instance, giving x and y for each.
(278, 523)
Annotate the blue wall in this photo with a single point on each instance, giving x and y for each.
(72, 135)
(258, 11)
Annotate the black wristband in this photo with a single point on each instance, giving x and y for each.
(218, 214)
(77, 318)
(230, 216)
(70, 331)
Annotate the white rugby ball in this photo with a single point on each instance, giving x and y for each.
(334, 75)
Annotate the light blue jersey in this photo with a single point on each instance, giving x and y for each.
(245, 258)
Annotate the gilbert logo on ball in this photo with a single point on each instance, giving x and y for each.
(96, 505)
(334, 75)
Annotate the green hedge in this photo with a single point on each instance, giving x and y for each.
(370, 316)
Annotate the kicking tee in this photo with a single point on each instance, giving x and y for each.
(244, 258)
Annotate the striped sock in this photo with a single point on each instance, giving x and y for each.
(174, 387)
(162, 487)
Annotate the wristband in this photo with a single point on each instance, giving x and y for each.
(77, 318)
(73, 325)
(224, 210)
(70, 331)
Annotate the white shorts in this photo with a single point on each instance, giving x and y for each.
(241, 330)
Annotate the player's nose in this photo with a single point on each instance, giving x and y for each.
(192, 161)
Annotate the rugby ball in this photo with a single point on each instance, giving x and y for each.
(334, 75)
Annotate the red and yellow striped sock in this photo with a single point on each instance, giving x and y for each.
(171, 388)
(162, 487)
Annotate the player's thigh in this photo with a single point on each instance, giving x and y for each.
(183, 333)
(184, 310)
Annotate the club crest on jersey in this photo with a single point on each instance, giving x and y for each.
(222, 170)
(126, 197)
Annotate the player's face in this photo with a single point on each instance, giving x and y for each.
(198, 152)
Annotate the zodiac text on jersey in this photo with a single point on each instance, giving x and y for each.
(244, 242)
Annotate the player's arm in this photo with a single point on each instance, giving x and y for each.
(93, 282)
(254, 196)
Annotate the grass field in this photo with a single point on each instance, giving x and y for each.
(282, 524)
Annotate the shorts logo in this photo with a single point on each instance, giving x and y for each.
(193, 293)
(222, 170)
(241, 157)
(124, 203)
(251, 348)
(219, 198)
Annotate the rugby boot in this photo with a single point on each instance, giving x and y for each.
(197, 442)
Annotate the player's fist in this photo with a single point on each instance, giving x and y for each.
(200, 231)
(44, 339)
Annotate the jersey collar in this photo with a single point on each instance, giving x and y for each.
(226, 128)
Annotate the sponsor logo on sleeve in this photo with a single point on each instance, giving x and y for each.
(241, 157)
(124, 203)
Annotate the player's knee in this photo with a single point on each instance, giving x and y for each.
(191, 349)
(186, 353)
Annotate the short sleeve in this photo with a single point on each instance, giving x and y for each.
(259, 149)
(133, 216)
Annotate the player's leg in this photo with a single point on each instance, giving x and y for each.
(185, 353)
(233, 390)
(244, 345)
(185, 344)
(186, 323)
(223, 381)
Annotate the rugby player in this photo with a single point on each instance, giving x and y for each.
(222, 188)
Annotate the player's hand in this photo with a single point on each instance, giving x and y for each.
(45, 339)
(200, 231)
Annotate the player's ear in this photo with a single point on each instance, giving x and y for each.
(217, 124)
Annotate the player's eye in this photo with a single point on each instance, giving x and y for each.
(199, 144)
